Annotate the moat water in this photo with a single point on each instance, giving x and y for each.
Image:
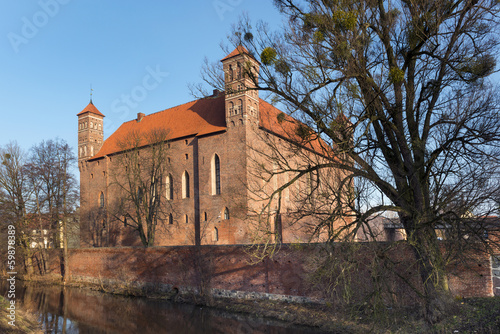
(73, 310)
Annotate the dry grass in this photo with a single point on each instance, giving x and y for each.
(25, 322)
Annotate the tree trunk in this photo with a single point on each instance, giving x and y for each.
(430, 263)
(65, 253)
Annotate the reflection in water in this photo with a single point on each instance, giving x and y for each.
(81, 311)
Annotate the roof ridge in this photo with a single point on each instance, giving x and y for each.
(176, 106)
(196, 117)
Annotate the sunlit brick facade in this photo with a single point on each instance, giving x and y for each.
(210, 142)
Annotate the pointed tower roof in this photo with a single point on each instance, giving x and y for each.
(91, 109)
(240, 49)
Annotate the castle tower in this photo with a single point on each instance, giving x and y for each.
(90, 132)
(241, 72)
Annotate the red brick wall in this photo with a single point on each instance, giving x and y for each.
(471, 278)
(288, 272)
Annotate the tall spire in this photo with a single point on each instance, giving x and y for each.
(91, 90)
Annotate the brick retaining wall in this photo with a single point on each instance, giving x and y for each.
(229, 271)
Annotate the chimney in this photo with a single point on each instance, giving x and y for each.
(140, 115)
(215, 93)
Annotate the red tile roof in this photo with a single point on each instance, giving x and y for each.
(240, 49)
(199, 117)
(202, 117)
(91, 109)
(275, 121)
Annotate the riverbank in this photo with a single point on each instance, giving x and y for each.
(475, 315)
(24, 322)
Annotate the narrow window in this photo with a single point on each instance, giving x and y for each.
(169, 187)
(205, 216)
(239, 70)
(230, 73)
(186, 218)
(215, 234)
(140, 194)
(185, 185)
(226, 213)
(154, 189)
(170, 219)
(216, 175)
(101, 200)
(240, 106)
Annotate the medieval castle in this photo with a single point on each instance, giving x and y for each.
(212, 184)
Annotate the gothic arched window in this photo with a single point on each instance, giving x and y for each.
(101, 200)
(216, 189)
(169, 185)
(230, 73)
(240, 106)
(185, 185)
(140, 194)
(239, 71)
(226, 213)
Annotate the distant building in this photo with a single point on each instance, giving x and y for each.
(210, 176)
(45, 232)
(381, 228)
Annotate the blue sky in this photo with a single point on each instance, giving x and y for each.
(51, 51)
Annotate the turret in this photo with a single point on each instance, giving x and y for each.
(241, 72)
(90, 132)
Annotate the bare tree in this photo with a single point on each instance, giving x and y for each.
(399, 92)
(50, 166)
(140, 182)
(15, 195)
(55, 189)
